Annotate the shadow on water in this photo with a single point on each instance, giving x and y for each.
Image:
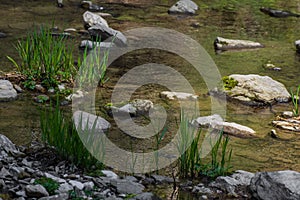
(238, 20)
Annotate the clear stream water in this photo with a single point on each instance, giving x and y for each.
(229, 19)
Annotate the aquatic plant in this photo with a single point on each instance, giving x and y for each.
(49, 184)
(229, 83)
(59, 131)
(93, 67)
(45, 59)
(187, 146)
(218, 167)
(190, 162)
(295, 101)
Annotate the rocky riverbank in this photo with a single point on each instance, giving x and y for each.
(38, 173)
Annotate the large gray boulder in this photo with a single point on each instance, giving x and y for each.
(254, 90)
(233, 184)
(183, 7)
(276, 185)
(106, 33)
(7, 91)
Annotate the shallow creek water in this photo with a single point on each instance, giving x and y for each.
(243, 20)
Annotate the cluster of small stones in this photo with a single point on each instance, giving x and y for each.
(21, 168)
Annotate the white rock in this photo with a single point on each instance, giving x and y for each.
(216, 122)
(7, 91)
(110, 174)
(87, 122)
(57, 179)
(92, 19)
(77, 184)
(178, 95)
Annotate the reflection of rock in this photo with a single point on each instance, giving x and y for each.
(230, 44)
(89, 121)
(90, 6)
(92, 44)
(7, 91)
(216, 122)
(91, 19)
(290, 124)
(104, 33)
(183, 7)
(255, 90)
(276, 185)
(178, 95)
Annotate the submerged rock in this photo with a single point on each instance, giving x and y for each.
(178, 95)
(216, 122)
(92, 44)
(278, 13)
(255, 90)
(2, 35)
(276, 185)
(7, 91)
(183, 7)
(230, 44)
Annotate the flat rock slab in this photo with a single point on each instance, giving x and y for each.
(178, 95)
(290, 124)
(216, 122)
(231, 44)
(255, 90)
(276, 185)
(7, 91)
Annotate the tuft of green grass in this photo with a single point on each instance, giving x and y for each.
(190, 162)
(60, 132)
(295, 101)
(45, 59)
(188, 147)
(218, 166)
(93, 68)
